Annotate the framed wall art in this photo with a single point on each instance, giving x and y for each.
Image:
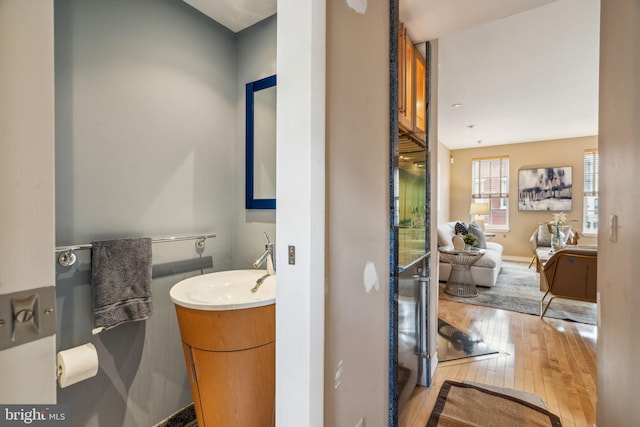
(545, 189)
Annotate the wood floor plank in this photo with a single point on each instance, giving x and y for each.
(553, 358)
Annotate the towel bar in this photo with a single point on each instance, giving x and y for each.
(68, 258)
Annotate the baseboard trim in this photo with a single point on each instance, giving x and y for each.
(514, 258)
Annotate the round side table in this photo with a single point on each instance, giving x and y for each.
(460, 281)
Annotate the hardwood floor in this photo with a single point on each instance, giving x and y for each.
(555, 359)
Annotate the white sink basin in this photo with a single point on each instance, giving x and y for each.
(224, 290)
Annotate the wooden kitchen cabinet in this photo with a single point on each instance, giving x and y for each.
(412, 105)
(420, 122)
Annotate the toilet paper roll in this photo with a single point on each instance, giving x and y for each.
(77, 364)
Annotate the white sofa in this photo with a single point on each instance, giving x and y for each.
(485, 271)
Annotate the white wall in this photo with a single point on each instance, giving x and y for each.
(618, 268)
(300, 217)
(26, 185)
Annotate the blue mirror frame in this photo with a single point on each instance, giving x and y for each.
(251, 89)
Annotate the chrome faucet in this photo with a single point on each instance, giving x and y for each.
(269, 256)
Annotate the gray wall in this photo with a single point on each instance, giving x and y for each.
(256, 59)
(145, 92)
(146, 101)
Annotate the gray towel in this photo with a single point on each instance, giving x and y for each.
(121, 281)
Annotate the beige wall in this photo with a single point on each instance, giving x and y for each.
(357, 165)
(26, 186)
(437, 152)
(618, 267)
(443, 178)
(562, 152)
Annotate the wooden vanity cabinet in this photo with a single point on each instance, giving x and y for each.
(230, 358)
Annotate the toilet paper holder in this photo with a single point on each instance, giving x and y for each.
(76, 364)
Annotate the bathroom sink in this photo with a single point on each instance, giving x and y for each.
(224, 290)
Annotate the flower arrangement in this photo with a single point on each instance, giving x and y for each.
(470, 239)
(559, 219)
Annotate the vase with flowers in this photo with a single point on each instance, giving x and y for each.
(470, 240)
(559, 230)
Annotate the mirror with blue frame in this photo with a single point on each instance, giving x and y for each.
(260, 192)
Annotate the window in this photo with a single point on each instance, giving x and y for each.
(590, 211)
(490, 184)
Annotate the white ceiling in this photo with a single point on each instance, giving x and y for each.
(526, 77)
(236, 15)
(430, 19)
(522, 70)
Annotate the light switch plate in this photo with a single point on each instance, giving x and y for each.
(292, 254)
(613, 228)
(27, 316)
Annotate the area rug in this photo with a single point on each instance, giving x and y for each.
(463, 404)
(454, 344)
(518, 289)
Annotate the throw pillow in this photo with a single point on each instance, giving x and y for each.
(475, 229)
(544, 235)
(461, 228)
(445, 233)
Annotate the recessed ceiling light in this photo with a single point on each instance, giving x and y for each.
(456, 105)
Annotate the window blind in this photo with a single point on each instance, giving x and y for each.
(591, 168)
(490, 177)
